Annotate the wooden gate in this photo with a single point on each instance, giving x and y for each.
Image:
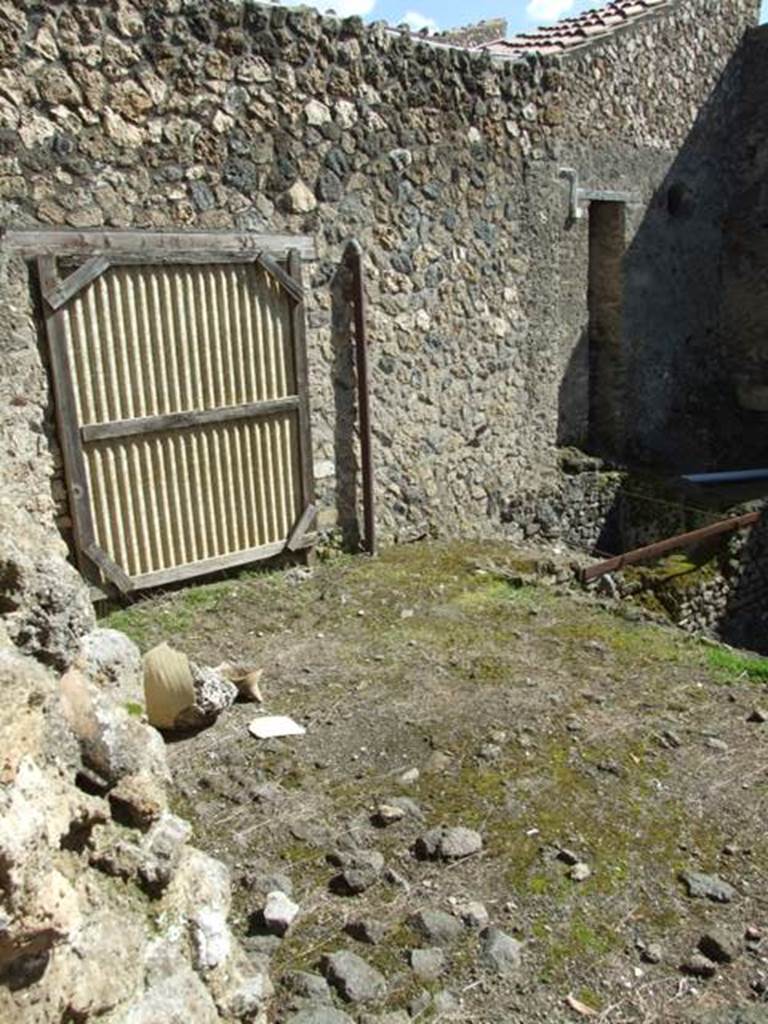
(181, 393)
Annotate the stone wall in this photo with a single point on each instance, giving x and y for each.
(651, 136)
(443, 163)
(744, 330)
(721, 589)
(719, 586)
(471, 36)
(598, 509)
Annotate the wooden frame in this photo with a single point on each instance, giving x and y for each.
(193, 418)
(69, 437)
(102, 251)
(302, 386)
(31, 243)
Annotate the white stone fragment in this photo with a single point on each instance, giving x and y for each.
(272, 726)
(279, 912)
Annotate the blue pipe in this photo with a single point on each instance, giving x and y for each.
(734, 476)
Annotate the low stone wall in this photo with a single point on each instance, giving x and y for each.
(593, 508)
(724, 594)
(722, 589)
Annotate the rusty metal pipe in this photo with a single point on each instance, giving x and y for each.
(681, 540)
(354, 258)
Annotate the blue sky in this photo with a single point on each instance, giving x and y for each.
(442, 14)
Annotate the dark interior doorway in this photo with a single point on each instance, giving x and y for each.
(606, 362)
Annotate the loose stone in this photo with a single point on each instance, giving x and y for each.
(652, 953)
(427, 964)
(353, 978)
(473, 914)
(670, 739)
(405, 806)
(711, 887)
(500, 951)
(387, 814)
(361, 869)
(437, 762)
(319, 1015)
(213, 694)
(366, 930)
(279, 912)
(568, 856)
(697, 965)
(720, 944)
(580, 872)
(436, 926)
(448, 843)
(308, 986)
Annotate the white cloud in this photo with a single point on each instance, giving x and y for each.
(418, 21)
(547, 10)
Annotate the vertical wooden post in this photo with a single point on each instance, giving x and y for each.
(66, 417)
(302, 383)
(354, 258)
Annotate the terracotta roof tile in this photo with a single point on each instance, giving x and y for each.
(572, 32)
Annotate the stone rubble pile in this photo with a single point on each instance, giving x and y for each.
(106, 910)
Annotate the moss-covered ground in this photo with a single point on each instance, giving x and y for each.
(534, 715)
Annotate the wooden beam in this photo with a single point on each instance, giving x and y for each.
(184, 256)
(77, 280)
(184, 420)
(66, 417)
(163, 577)
(354, 256)
(299, 532)
(33, 242)
(291, 285)
(110, 569)
(301, 370)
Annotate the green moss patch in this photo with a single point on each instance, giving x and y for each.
(731, 665)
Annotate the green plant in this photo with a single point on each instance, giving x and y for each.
(733, 664)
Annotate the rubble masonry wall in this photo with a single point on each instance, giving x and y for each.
(445, 165)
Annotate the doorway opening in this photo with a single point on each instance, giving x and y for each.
(606, 359)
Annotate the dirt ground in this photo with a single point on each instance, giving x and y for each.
(535, 715)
